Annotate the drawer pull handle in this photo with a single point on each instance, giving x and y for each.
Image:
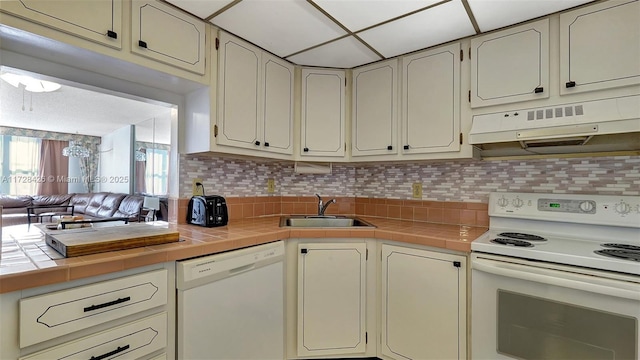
(110, 353)
(104, 305)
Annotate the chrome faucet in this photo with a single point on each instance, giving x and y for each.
(322, 207)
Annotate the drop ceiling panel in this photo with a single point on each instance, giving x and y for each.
(495, 14)
(427, 28)
(359, 14)
(283, 27)
(344, 53)
(202, 9)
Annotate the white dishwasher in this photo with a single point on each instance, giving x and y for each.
(231, 305)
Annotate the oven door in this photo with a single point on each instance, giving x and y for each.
(524, 310)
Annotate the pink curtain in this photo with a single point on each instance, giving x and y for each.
(53, 167)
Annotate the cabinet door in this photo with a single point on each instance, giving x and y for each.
(423, 304)
(431, 101)
(600, 47)
(132, 341)
(375, 109)
(323, 118)
(331, 298)
(278, 104)
(163, 33)
(511, 65)
(238, 93)
(97, 20)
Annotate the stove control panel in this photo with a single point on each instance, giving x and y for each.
(578, 208)
(567, 206)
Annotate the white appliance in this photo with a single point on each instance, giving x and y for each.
(231, 305)
(596, 125)
(557, 276)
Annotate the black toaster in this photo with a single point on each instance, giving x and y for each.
(207, 211)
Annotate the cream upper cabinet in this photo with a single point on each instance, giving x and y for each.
(510, 65)
(323, 113)
(600, 47)
(431, 101)
(165, 34)
(375, 109)
(98, 20)
(239, 73)
(331, 298)
(255, 98)
(423, 304)
(277, 124)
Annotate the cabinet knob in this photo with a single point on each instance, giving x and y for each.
(266, 144)
(112, 34)
(142, 44)
(257, 143)
(305, 149)
(389, 147)
(570, 84)
(538, 90)
(406, 147)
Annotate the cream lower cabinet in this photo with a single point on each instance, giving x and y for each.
(331, 299)
(423, 304)
(99, 21)
(600, 46)
(122, 315)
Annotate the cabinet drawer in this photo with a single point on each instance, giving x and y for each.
(51, 315)
(130, 341)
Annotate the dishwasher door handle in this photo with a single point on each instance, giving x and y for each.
(243, 268)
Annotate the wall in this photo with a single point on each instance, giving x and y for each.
(458, 181)
(115, 161)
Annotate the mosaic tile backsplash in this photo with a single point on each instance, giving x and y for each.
(459, 181)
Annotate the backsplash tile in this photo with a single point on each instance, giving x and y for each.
(450, 181)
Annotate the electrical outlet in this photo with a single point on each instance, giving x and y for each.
(271, 186)
(197, 189)
(417, 190)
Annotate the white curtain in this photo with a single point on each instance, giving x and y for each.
(24, 160)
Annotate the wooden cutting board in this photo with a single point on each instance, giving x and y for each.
(85, 241)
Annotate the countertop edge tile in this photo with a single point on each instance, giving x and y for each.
(200, 241)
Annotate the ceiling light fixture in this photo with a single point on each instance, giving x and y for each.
(30, 84)
(141, 155)
(75, 150)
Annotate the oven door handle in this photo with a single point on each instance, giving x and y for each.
(620, 289)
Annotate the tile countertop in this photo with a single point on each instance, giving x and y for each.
(24, 262)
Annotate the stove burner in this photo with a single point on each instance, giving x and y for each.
(511, 242)
(521, 236)
(620, 254)
(621, 246)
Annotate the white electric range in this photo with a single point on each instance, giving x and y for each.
(557, 276)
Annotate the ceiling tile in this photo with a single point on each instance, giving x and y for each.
(427, 28)
(359, 14)
(344, 53)
(494, 14)
(202, 9)
(283, 27)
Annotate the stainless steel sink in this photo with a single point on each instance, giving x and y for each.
(312, 221)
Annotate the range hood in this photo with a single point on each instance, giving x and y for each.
(604, 125)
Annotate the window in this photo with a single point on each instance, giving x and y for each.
(156, 176)
(20, 161)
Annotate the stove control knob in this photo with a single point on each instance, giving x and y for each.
(517, 202)
(623, 208)
(502, 202)
(586, 206)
